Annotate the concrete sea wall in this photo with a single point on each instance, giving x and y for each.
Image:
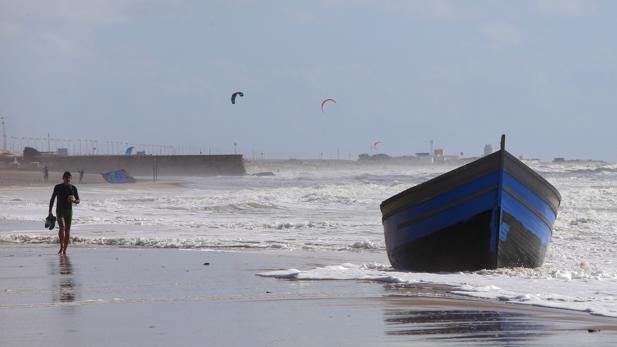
(146, 165)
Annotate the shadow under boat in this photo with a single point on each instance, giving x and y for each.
(493, 212)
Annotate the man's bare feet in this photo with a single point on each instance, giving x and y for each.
(61, 251)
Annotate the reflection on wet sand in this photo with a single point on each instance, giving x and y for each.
(63, 272)
(464, 325)
(67, 286)
(431, 314)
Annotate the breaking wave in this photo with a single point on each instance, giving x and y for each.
(191, 243)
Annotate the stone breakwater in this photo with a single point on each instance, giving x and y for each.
(146, 165)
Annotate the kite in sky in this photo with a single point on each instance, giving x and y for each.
(234, 95)
(326, 101)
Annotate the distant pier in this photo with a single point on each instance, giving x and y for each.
(145, 165)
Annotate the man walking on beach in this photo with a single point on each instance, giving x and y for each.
(67, 196)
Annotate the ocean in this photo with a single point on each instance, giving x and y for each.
(321, 207)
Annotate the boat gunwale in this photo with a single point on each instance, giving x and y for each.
(491, 161)
(530, 171)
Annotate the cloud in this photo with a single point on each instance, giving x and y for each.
(444, 9)
(66, 27)
(501, 32)
(91, 11)
(566, 7)
(441, 9)
(61, 10)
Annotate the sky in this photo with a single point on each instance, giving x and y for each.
(460, 73)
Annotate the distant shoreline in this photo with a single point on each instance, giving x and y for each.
(21, 177)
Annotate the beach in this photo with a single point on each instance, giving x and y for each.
(125, 297)
(293, 259)
(308, 173)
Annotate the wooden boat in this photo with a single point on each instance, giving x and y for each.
(493, 212)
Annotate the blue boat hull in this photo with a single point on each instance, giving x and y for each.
(494, 212)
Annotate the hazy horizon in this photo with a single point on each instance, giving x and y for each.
(460, 73)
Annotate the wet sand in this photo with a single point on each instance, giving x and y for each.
(128, 297)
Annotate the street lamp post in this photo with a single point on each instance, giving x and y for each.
(3, 135)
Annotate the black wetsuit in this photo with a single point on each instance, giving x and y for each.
(64, 209)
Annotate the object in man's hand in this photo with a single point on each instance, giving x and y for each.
(71, 198)
(50, 222)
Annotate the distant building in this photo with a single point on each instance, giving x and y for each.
(488, 149)
(380, 156)
(62, 152)
(424, 158)
(559, 160)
